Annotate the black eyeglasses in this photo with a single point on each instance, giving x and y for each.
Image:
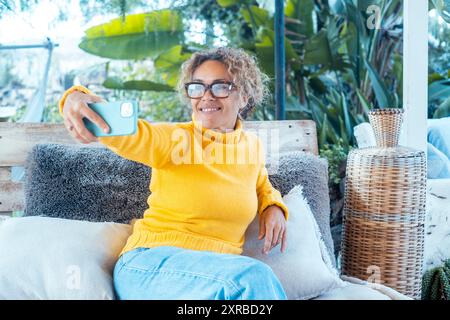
(196, 90)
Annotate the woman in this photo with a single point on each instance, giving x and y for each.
(188, 244)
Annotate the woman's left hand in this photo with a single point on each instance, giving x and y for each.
(272, 226)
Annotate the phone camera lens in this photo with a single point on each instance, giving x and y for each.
(126, 109)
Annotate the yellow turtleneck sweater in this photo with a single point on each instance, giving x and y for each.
(206, 186)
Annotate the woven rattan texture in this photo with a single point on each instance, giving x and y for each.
(386, 124)
(384, 216)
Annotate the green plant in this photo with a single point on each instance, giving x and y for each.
(439, 95)
(336, 155)
(330, 59)
(439, 55)
(330, 54)
(51, 114)
(443, 110)
(20, 111)
(436, 283)
(442, 7)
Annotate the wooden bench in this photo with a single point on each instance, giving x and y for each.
(17, 139)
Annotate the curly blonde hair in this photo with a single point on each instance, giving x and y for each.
(250, 81)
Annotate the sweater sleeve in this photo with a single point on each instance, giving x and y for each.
(151, 145)
(267, 194)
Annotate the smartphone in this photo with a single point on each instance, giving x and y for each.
(120, 116)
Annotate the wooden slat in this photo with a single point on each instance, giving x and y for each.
(11, 196)
(17, 139)
(290, 135)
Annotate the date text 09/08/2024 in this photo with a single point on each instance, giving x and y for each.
(225, 309)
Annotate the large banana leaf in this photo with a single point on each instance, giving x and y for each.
(348, 125)
(141, 85)
(443, 8)
(265, 4)
(384, 97)
(257, 17)
(138, 36)
(350, 33)
(439, 90)
(169, 64)
(265, 50)
(353, 13)
(293, 105)
(319, 51)
(337, 7)
(432, 77)
(443, 110)
(364, 102)
(227, 3)
(301, 10)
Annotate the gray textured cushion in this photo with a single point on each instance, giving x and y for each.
(84, 183)
(95, 184)
(311, 172)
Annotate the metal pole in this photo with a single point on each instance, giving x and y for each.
(35, 108)
(30, 46)
(34, 112)
(280, 62)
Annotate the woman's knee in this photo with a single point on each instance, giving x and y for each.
(258, 281)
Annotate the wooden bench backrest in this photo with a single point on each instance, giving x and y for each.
(17, 139)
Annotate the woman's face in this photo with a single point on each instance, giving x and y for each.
(222, 112)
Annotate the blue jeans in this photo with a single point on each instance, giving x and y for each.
(171, 273)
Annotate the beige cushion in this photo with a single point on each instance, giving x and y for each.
(357, 289)
(305, 269)
(52, 258)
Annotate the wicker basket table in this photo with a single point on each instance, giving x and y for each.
(384, 209)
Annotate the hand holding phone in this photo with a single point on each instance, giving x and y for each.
(120, 116)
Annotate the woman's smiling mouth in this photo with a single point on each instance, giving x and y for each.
(210, 109)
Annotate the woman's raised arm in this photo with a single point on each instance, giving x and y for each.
(151, 144)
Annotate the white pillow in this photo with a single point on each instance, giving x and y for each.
(437, 224)
(52, 258)
(304, 269)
